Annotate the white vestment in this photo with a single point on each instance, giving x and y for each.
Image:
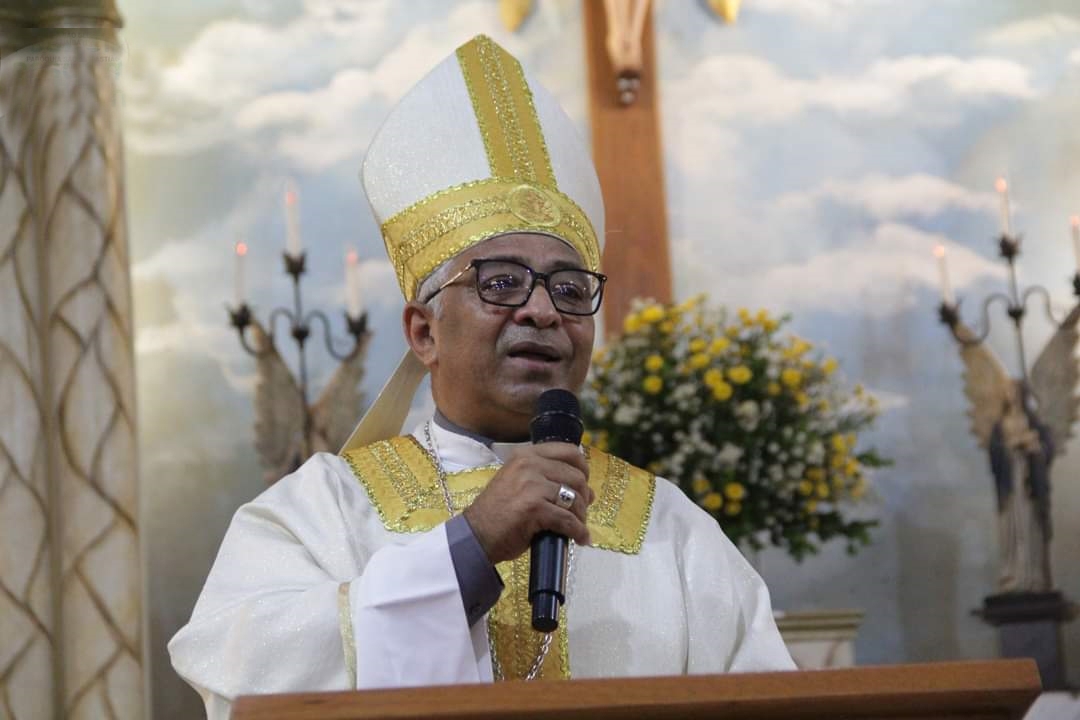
(310, 590)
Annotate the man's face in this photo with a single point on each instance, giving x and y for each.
(491, 362)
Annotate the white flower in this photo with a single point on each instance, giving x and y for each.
(795, 470)
(776, 473)
(816, 454)
(729, 454)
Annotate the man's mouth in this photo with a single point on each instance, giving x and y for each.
(535, 352)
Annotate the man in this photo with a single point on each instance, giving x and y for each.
(403, 560)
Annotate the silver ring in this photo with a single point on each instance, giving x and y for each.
(565, 498)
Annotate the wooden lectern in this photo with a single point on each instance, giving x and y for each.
(992, 690)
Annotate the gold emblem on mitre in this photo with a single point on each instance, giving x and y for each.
(534, 206)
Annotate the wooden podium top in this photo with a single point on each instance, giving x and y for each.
(991, 690)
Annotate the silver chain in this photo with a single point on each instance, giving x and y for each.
(545, 646)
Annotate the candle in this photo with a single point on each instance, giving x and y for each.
(292, 222)
(1003, 190)
(353, 304)
(1074, 221)
(943, 273)
(241, 251)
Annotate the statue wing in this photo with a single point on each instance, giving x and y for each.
(339, 406)
(986, 385)
(279, 410)
(1053, 381)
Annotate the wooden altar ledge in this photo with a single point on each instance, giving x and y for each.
(989, 690)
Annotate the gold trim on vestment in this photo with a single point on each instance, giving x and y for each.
(345, 626)
(402, 482)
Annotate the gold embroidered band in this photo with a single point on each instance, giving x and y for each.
(425, 235)
(504, 109)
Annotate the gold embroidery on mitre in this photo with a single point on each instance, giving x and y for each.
(402, 483)
(533, 205)
(503, 104)
(424, 235)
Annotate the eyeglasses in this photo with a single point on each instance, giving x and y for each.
(508, 283)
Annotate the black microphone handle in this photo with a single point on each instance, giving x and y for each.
(558, 419)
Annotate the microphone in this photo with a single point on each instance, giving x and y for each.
(557, 419)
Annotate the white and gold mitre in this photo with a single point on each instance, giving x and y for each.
(477, 149)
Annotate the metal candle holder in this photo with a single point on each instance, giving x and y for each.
(300, 325)
(1015, 304)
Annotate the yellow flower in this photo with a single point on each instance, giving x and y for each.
(838, 444)
(733, 508)
(823, 405)
(858, 489)
(851, 466)
(734, 491)
(722, 391)
(697, 345)
(713, 501)
(719, 345)
(829, 366)
(666, 327)
(851, 440)
(732, 331)
(652, 314)
(740, 374)
(762, 316)
(744, 316)
(653, 363)
(770, 325)
(599, 355)
(603, 400)
(806, 488)
(698, 361)
(773, 388)
(652, 384)
(586, 438)
(700, 484)
(815, 474)
(800, 347)
(811, 506)
(631, 324)
(802, 399)
(822, 490)
(859, 390)
(713, 377)
(791, 377)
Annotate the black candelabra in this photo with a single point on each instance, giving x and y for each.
(300, 328)
(1015, 304)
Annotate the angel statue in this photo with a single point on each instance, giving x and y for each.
(1023, 425)
(287, 432)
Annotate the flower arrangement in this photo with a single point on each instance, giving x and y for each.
(752, 424)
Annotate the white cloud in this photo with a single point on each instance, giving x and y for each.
(817, 10)
(1034, 30)
(887, 198)
(879, 275)
(311, 92)
(728, 87)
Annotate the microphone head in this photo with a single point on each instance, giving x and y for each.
(557, 419)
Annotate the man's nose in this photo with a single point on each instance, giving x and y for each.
(540, 310)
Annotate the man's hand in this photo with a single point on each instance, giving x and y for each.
(520, 500)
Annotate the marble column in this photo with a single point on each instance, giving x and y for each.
(70, 582)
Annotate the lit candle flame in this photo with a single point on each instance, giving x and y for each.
(241, 248)
(352, 257)
(939, 251)
(1001, 185)
(1075, 221)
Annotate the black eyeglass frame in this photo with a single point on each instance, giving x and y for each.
(536, 275)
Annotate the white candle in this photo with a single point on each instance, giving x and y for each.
(1074, 221)
(353, 304)
(1003, 190)
(292, 221)
(241, 252)
(943, 273)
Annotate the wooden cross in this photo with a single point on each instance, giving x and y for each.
(626, 150)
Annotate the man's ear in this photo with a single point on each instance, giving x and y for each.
(418, 322)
